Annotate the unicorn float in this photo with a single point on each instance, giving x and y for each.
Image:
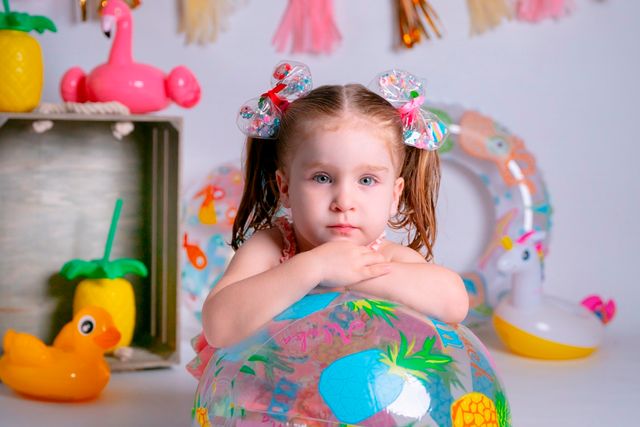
(540, 326)
(141, 87)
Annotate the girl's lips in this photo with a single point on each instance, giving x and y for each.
(342, 228)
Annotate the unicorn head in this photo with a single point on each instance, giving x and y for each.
(524, 254)
(523, 260)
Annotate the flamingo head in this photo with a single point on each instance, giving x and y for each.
(112, 11)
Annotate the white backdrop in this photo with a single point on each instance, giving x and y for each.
(568, 87)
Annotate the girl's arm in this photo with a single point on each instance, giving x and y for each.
(427, 288)
(256, 287)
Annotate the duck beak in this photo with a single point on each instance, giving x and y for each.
(108, 338)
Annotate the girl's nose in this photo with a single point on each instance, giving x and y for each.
(342, 201)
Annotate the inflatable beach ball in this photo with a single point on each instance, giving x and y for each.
(337, 359)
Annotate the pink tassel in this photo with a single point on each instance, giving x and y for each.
(310, 26)
(605, 310)
(537, 10)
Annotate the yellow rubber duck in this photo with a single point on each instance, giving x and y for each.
(72, 369)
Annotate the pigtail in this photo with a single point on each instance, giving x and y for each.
(261, 196)
(417, 208)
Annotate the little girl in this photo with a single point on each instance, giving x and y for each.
(346, 162)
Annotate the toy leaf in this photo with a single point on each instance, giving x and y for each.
(24, 22)
(78, 267)
(100, 269)
(41, 24)
(123, 266)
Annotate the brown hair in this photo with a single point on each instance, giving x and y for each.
(420, 168)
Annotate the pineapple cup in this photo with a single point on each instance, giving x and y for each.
(21, 67)
(105, 286)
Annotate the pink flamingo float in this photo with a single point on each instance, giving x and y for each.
(141, 87)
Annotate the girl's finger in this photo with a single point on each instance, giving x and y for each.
(378, 269)
(374, 258)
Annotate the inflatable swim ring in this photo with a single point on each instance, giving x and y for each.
(521, 202)
(208, 211)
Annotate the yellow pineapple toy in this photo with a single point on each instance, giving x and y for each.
(21, 69)
(105, 286)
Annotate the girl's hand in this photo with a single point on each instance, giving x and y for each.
(345, 263)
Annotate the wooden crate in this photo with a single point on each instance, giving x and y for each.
(57, 194)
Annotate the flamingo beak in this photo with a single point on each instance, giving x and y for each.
(108, 22)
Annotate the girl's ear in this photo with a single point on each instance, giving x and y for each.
(398, 186)
(283, 187)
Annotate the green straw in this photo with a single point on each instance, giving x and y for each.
(112, 229)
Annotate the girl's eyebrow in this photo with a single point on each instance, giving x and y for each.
(374, 168)
(367, 167)
(314, 165)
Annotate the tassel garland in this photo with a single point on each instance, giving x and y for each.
(410, 21)
(487, 14)
(309, 25)
(537, 10)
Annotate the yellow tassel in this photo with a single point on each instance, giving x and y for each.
(487, 14)
(202, 20)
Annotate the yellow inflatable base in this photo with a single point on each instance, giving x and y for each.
(529, 345)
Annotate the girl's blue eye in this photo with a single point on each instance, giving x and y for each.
(367, 180)
(322, 178)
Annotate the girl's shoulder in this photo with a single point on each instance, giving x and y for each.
(258, 253)
(276, 243)
(268, 239)
(400, 253)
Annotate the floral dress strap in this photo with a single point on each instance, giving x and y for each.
(375, 245)
(289, 248)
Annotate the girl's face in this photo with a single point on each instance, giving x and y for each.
(340, 183)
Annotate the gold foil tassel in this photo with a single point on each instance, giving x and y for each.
(410, 21)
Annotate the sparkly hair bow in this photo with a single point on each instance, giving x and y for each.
(421, 128)
(260, 117)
